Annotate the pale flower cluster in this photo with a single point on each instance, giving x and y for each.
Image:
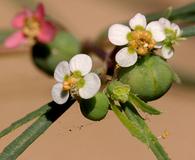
(137, 40)
(140, 38)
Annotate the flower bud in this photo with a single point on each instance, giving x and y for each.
(150, 78)
(95, 108)
(118, 91)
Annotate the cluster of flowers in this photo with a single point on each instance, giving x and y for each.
(138, 40)
(141, 39)
(74, 78)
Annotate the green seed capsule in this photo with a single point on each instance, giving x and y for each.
(95, 108)
(150, 78)
(47, 56)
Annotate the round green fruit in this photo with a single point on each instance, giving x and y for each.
(47, 56)
(95, 108)
(150, 78)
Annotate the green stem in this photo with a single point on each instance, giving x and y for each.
(128, 124)
(25, 119)
(152, 141)
(138, 128)
(158, 150)
(188, 31)
(23, 141)
(175, 14)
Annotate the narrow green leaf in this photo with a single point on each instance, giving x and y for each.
(139, 129)
(25, 119)
(150, 139)
(23, 141)
(129, 124)
(137, 102)
(184, 10)
(188, 31)
(176, 14)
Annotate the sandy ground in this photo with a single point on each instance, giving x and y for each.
(24, 88)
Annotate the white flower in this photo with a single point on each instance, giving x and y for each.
(173, 33)
(172, 26)
(140, 39)
(167, 52)
(74, 78)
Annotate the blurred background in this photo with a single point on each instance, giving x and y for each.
(24, 88)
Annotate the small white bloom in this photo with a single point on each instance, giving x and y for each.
(117, 34)
(139, 20)
(75, 78)
(167, 52)
(168, 26)
(140, 39)
(157, 31)
(91, 87)
(59, 96)
(176, 28)
(172, 33)
(126, 59)
(165, 22)
(82, 63)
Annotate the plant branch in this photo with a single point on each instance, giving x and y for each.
(188, 31)
(138, 128)
(25, 119)
(89, 46)
(151, 139)
(174, 14)
(23, 141)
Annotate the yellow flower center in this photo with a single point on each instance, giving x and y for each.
(141, 41)
(31, 27)
(69, 83)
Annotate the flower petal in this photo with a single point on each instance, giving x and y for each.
(167, 52)
(126, 59)
(19, 20)
(117, 34)
(91, 87)
(59, 96)
(14, 40)
(176, 28)
(47, 32)
(138, 20)
(62, 69)
(40, 11)
(82, 63)
(165, 22)
(157, 31)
